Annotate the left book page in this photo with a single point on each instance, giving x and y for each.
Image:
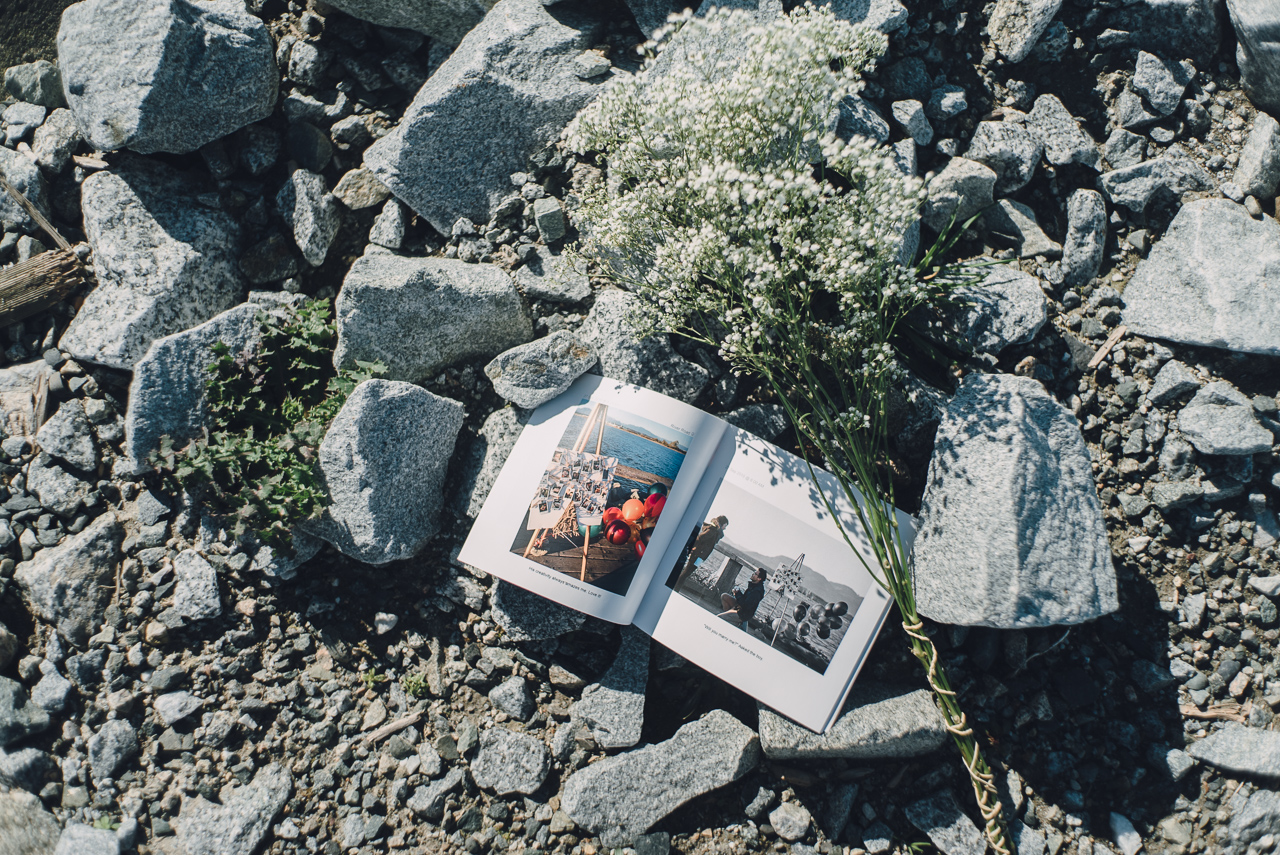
(592, 494)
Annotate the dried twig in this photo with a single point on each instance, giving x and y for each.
(394, 727)
(41, 219)
(1229, 711)
(1116, 335)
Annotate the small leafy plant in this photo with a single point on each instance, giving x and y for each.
(415, 685)
(372, 678)
(268, 409)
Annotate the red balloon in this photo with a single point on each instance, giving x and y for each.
(617, 532)
(653, 505)
(632, 509)
(611, 514)
(639, 547)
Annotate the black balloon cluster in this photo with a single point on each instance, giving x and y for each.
(822, 621)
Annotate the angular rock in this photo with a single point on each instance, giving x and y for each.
(1015, 222)
(1220, 420)
(1177, 28)
(1007, 307)
(383, 462)
(510, 762)
(420, 315)
(947, 826)
(881, 722)
(525, 616)
(236, 826)
(173, 707)
(36, 83)
(1133, 113)
(53, 691)
(388, 228)
(613, 709)
(1161, 82)
(1007, 453)
(68, 437)
(791, 820)
(196, 594)
(858, 117)
(550, 276)
(1210, 281)
(625, 356)
(1257, 27)
(1250, 823)
(1171, 495)
(167, 395)
(359, 188)
(548, 215)
(165, 76)
(26, 769)
(270, 260)
(910, 114)
(55, 141)
(512, 696)
(947, 100)
(1173, 380)
(26, 826)
(651, 14)
(1016, 25)
(962, 189)
(534, 373)
(887, 16)
(55, 487)
(428, 801)
(25, 177)
(1124, 149)
(1086, 240)
(19, 717)
(622, 796)
(446, 20)
(311, 212)
(1238, 748)
(766, 421)
(115, 743)
(79, 839)
(164, 262)
(1010, 149)
(1171, 174)
(508, 90)
(1258, 171)
(485, 457)
(69, 585)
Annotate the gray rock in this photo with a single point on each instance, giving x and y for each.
(485, 457)
(56, 488)
(910, 114)
(421, 315)
(388, 228)
(1253, 823)
(622, 796)
(1008, 453)
(651, 14)
(1257, 27)
(790, 820)
(238, 825)
(164, 262)
(53, 691)
(962, 189)
(196, 594)
(167, 395)
(947, 826)
(550, 276)
(78, 839)
(36, 83)
(270, 260)
(311, 212)
(1181, 28)
(947, 101)
(25, 177)
(1171, 495)
(1266, 585)
(1209, 282)
(525, 616)
(534, 373)
(1015, 222)
(167, 76)
(1161, 82)
(887, 16)
(115, 743)
(881, 722)
(858, 117)
(613, 709)
(1124, 148)
(68, 437)
(173, 707)
(625, 356)
(766, 421)
(25, 826)
(1010, 149)
(508, 90)
(1133, 113)
(383, 462)
(8, 643)
(512, 696)
(428, 801)
(1007, 307)
(19, 717)
(510, 762)
(359, 188)
(26, 769)
(55, 141)
(69, 585)
(1016, 25)
(878, 838)
(1086, 240)
(309, 146)
(1220, 420)
(1170, 174)
(548, 214)
(1173, 380)
(446, 20)
(1258, 171)
(1241, 749)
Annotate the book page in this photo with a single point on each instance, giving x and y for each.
(764, 591)
(592, 495)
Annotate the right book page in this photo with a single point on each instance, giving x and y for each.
(764, 592)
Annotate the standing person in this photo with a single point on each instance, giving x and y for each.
(708, 537)
(744, 601)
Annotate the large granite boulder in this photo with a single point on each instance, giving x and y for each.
(165, 75)
(167, 395)
(1220, 420)
(383, 462)
(1007, 307)
(421, 315)
(534, 373)
(1257, 27)
(69, 585)
(1212, 280)
(621, 796)
(613, 709)
(446, 20)
(164, 261)
(507, 91)
(1011, 532)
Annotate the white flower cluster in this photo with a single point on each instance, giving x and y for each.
(733, 206)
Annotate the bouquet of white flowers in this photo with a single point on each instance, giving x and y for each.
(733, 207)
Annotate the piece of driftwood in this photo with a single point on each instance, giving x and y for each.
(36, 284)
(41, 220)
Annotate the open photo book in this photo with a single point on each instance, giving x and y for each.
(638, 509)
